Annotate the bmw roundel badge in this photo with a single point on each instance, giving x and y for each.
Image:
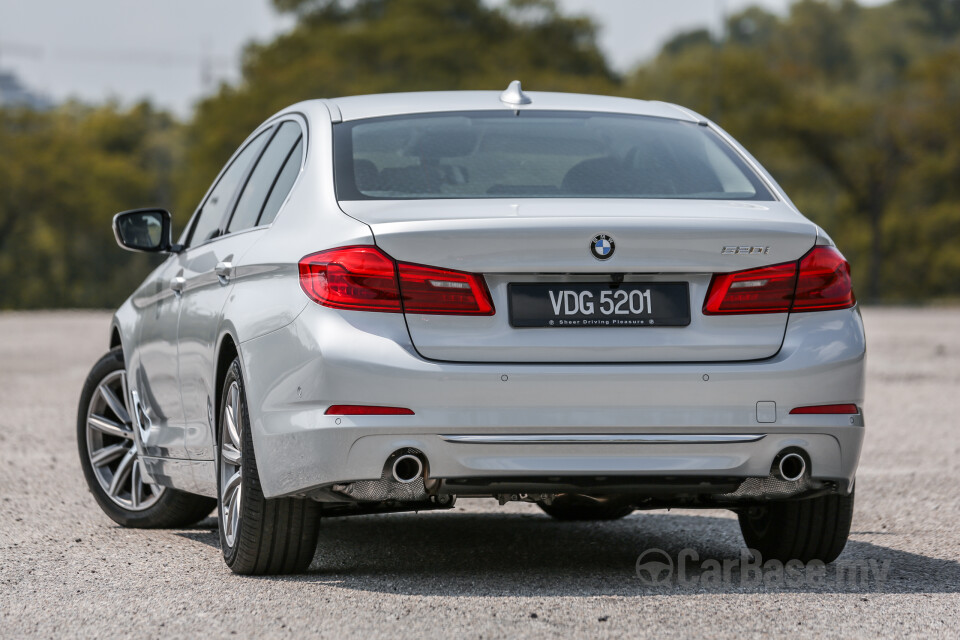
(602, 246)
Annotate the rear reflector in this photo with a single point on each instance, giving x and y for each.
(364, 278)
(819, 281)
(825, 408)
(366, 410)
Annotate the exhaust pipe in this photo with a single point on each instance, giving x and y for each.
(792, 467)
(407, 468)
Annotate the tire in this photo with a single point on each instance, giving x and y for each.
(110, 459)
(581, 508)
(258, 536)
(805, 530)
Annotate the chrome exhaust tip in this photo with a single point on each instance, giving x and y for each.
(407, 468)
(792, 467)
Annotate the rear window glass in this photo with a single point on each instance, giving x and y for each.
(537, 155)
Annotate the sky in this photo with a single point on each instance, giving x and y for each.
(175, 51)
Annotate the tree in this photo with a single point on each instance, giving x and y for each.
(853, 109)
(850, 109)
(65, 172)
(375, 46)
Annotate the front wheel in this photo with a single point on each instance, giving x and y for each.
(111, 461)
(805, 530)
(258, 536)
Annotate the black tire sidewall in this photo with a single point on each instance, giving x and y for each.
(273, 536)
(776, 531)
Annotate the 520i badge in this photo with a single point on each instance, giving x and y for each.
(602, 246)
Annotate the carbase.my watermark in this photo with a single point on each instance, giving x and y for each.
(655, 567)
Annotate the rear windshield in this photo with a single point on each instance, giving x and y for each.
(537, 154)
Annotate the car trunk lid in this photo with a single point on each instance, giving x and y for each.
(548, 242)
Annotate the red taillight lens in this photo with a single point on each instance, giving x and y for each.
(440, 291)
(763, 290)
(358, 278)
(364, 278)
(824, 281)
(366, 410)
(819, 281)
(825, 409)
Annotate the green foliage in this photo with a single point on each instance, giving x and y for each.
(377, 46)
(853, 109)
(63, 174)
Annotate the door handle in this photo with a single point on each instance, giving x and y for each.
(223, 270)
(177, 284)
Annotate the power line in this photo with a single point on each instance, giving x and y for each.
(206, 63)
(143, 57)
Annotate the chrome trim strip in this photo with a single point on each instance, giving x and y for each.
(609, 438)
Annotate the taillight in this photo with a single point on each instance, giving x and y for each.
(364, 278)
(359, 278)
(824, 281)
(820, 280)
(764, 290)
(441, 291)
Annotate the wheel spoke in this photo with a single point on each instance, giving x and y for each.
(235, 405)
(232, 414)
(119, 409)
(126, 395)
(224, 512)
(229, 503)
(136, 486)
(231, 454)
(235, 512)
(231, 426)
(107, 426)
(121, 474)
(231, 486)
(107, 455)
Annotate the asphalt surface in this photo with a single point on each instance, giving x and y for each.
(483, 570)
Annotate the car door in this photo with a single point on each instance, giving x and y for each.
(152, 364)
(211, 273)
(158, 390)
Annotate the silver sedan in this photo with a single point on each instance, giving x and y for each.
(390, 302)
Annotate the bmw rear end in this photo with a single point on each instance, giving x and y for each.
(566, 296)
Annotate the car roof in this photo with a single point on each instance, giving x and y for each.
(392, 104)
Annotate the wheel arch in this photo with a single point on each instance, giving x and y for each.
(115, 339)
(227, 351)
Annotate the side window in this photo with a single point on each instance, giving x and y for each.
(211, 213)
(288, 175)
(261, 181)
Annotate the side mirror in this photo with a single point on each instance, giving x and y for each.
(147, 230)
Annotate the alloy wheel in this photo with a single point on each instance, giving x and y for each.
(231, 464)
(112, 449)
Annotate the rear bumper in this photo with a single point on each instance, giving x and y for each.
(327, 357)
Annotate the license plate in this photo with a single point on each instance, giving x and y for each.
(600, 304)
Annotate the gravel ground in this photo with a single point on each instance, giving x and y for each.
(66, 570)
